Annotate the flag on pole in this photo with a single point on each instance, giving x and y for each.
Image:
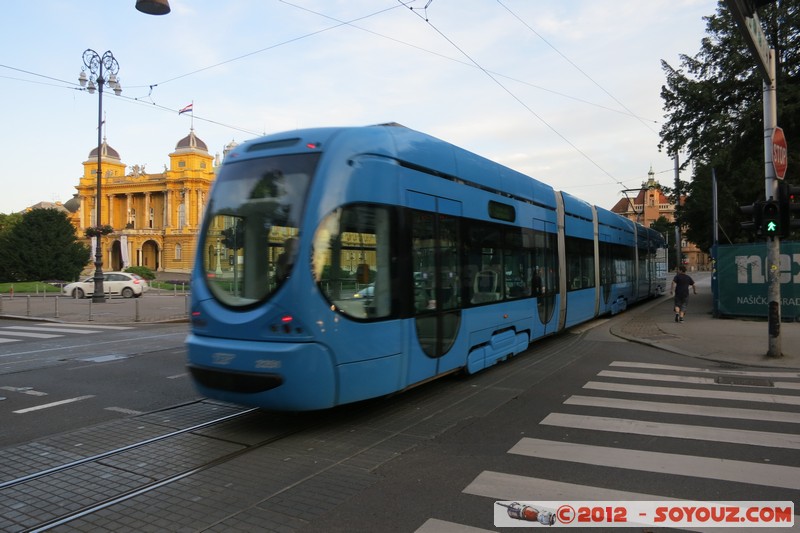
(187, 109)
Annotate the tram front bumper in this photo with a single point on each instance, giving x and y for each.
(271, 375)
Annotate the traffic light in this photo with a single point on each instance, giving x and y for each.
(752, 214)
(771, 219)
(789, 200)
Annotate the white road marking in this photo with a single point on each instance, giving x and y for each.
(689, 379)
(502, 486)
(54, 404)
(57, 330)
(769, 475)
(90, 326)
(24, 390)
(656, 377)
(434, 525)
(678, 431)
(124, 411)
(4, 331)
(695, 393)
(685, 409)
(721, 371)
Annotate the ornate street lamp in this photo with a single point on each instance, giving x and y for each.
(99, 66)
(153, 7)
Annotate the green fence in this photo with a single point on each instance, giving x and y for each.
(740, 280)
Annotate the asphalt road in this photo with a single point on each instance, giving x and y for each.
(582, 416)
(61, 377)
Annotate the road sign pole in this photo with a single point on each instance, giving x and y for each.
(771, 192)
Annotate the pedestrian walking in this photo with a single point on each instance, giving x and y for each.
(680, 287)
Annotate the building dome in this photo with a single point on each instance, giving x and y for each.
(73, 204)
(191, 143)
(106, 152)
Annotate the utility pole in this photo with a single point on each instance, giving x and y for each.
(771, 193)
(744, 12)
(678, 251)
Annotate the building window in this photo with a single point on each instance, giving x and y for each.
(181, 163)
(178, 252)
(202, 164)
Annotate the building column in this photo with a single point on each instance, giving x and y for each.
(127, 208)
(110, 207)
(83, 211)
(147, 209)
(168, 209)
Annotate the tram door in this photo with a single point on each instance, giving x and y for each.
(436, 278)
(546, 273)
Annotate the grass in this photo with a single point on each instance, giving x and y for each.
(29, 287)
(40, 287)
(169, 285)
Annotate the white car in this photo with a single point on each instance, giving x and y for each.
(124, 284)
(367, 292)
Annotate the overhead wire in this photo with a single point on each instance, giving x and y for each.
(276, 45)
(514, 96)
(339, 23)
(456, 60)
(579, 69)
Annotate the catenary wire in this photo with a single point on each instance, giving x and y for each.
(514, 96)
(579, 69)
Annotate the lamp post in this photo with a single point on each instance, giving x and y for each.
(99, 66)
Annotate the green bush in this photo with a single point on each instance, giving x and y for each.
(144, 272)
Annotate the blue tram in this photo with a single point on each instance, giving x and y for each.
(340, 264)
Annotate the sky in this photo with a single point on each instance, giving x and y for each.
(565, 91)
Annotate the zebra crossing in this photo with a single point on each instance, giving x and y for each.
(51, 330)
(699, 401)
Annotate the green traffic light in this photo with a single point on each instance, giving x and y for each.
(770, 214)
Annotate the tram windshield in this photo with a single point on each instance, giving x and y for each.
(252, 226)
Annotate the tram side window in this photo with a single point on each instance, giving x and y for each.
(644, 260)
(435, 259)
(517, 261)
(351, 260)
(500, 263)
(580, 263)
(616, 263)
(624, 263)
(545, 261)
(484, 271)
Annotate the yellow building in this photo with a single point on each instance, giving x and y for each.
(650, 204)
(155, 217)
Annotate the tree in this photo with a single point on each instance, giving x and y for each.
(714, 111)
(8, 221)
(42, 246)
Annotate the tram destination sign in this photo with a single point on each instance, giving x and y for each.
(780, 153)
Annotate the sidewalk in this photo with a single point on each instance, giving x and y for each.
(154, 306)
(737, 341)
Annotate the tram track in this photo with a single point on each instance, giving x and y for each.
(47, 526)
(107, 466)
(206, 450)
(103, 455)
